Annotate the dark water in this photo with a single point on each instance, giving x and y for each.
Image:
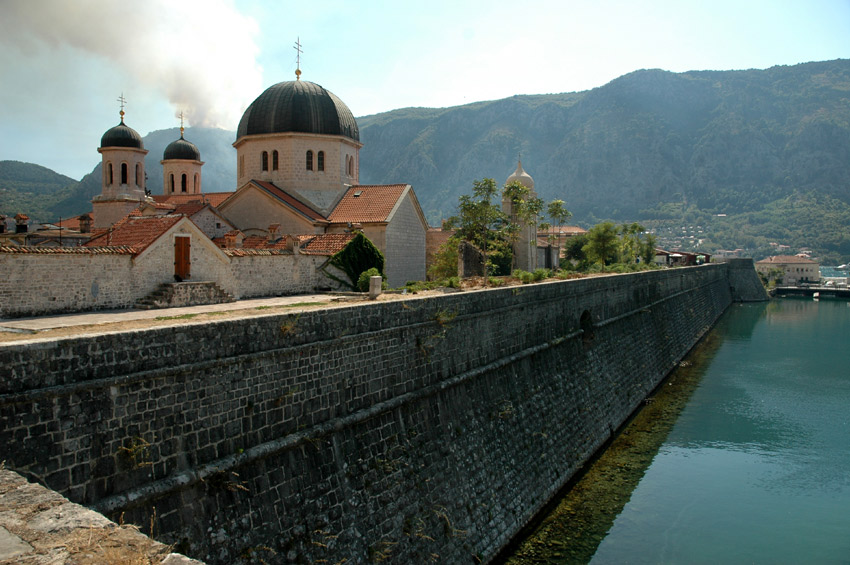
(750, 463)
(757, 467)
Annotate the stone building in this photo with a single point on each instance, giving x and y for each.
(794, 269)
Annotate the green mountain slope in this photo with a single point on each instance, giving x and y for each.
(29, 188)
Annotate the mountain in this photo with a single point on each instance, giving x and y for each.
(724, 141)
(29, 188)
(765, 151)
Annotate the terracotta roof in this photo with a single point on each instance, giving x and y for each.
(367, 203)
(72, 223)
(114, 250)
(289, 200)
(137, 232)
(240, 252)
(189, 208)
(326, 243)
(564, 230)
(213, 198)
(261, 242)
(786, 259)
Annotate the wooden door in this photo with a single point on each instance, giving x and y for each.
(181, 258)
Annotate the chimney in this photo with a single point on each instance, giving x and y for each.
(233, 239)
(273, 230)
(21, 221)
(85, 223)
(291, 243)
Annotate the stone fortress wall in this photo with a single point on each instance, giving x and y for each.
(401, 431)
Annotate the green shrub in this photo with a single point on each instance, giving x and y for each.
(540, 274)
(357, 256)
(363, 280)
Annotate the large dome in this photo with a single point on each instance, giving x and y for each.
(298, 106)
(181, 149)
(122, 136)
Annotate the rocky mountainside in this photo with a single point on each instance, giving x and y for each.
(651, 146)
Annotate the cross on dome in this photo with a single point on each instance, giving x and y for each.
(298, 51)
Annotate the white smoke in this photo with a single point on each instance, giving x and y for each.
(200, 54)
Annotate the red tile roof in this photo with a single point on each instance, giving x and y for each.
(785, 259)
(115, 250)
(367, 203)
(137, 232)
(326, 243)
(289, 200)
(213, 198)
(261, 242)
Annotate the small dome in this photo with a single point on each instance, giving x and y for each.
(181, 149)
(298, 106)
(122, 136)
(522, 177)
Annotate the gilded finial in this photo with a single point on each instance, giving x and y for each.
(123, 101)
(298, 50)
(181, 124)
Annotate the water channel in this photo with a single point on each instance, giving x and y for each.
(742, 456)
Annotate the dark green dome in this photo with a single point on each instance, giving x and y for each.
(181, 149)
(122, 136)
(298, 106)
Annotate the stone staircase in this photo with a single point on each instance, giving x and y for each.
(172, 295)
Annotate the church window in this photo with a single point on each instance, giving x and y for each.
(183, 183)
(197, 181)
(138, 174)
(265, 160)
(123, 173)
(274, 160)
(351, 166)
(109, 173)
(309, 160)
(321, 161)
(172, 182)
(242, 165)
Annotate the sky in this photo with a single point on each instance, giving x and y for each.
(65, 63)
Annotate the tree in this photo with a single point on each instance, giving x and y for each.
(602, 244)
(648, 250)
(630, 241)
(559, 215)
(525, 213)
(478, 218)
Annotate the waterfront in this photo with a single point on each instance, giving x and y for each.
(752, 467)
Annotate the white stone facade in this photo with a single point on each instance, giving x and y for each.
(340, 163)
(181, 176)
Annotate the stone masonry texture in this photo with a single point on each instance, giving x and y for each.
(431, 429)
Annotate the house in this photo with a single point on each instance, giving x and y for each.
(794, 269)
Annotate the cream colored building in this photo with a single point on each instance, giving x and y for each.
(794, 269)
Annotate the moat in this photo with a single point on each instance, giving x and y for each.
(740, 457)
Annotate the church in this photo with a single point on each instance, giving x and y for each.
(297, 201)
(298, 164)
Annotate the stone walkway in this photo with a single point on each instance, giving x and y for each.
(102, 321)
(41, 527)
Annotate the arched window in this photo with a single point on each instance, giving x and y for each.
(321, 161)
(347, 164)
(197, 181)
(274, 160)
(183, 183)
(351, 166)
(109, 173)
(265, 160)
(138, 174)
(123, 173)
(242, 165)
(172, 181)
(309, 160)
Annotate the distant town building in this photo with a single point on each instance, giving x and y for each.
(794, 269)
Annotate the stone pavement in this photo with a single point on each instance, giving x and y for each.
(99, 317)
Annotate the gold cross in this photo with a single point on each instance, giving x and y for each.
(298, 50)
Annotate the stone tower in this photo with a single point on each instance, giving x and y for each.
(525, 248)
(123, 184)
(181, 167)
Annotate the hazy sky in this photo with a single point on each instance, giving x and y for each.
(64, 63)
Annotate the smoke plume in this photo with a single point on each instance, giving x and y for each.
(200, 54)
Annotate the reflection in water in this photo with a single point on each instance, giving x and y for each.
(754, 469)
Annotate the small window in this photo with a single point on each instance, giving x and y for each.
(183, 183)
(242, 165)
(309, 160)
(109, 173)
(124, 173)
(172, 181)
(138, 174)
(274, 160)
(197, 181)
(265, 160)
(351, 166)
(321, 161)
